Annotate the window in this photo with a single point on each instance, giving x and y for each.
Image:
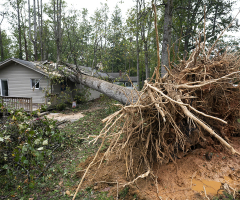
(128, 84)
(35, 83)
(3, 87)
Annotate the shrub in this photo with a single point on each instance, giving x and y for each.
(61, 106)
(82, 95)
(27, 145)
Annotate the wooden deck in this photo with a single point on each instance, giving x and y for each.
(17, 102)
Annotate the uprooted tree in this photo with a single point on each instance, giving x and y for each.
(196, 102)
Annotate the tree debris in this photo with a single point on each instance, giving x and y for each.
(199, 98)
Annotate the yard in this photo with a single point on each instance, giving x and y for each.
(202, 168)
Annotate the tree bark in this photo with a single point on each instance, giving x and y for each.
(122, 94)
(1, 45)
(138, 75)
(1, 40)
(58, 32)
(41, 32)
(25, 44)
(167, 30)
(19, 32)
(35, 31)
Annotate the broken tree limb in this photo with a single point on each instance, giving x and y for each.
(207, 128)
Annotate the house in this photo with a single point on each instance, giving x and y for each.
(123, 79)
(19, 78)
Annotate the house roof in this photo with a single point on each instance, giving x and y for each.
(124, 77)
(27, 64)
(49, 68)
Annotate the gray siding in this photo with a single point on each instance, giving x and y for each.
(93, 93)
(19, 82)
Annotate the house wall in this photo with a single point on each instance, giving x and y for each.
(93, 93)
(123, 83)
(19, 82)
(56, 89)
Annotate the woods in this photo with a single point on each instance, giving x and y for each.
(53, 31)
(188, 86)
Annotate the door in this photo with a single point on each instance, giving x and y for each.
(4, 88)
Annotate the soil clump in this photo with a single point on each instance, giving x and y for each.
(183, 180)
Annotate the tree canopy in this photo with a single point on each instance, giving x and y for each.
(53, 31)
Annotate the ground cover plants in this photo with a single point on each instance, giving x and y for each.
(39, 160)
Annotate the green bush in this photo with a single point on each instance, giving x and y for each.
(61, 106)
(82, 95)
(27, 146)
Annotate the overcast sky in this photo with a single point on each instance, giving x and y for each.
(92, 5)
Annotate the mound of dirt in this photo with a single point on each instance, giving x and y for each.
(210, 167)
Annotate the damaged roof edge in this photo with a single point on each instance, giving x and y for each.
(28, 64)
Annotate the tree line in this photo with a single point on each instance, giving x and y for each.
(55, 32)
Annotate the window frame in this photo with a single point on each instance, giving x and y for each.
(35, 80)
(1, 93)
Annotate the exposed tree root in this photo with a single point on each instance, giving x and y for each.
(197, 98)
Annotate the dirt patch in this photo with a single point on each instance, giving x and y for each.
(210, 167)
(72, 117)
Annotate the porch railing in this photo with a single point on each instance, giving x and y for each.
(17, 102)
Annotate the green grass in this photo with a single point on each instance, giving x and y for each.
(59, 181)
(226, 196)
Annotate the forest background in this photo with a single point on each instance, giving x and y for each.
(57, 32)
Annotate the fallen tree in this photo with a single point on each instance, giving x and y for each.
(196, 103)
(122, 94)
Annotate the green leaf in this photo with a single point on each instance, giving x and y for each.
(40, 149)
(24, 148)
(5, 166)
(45, 142)
(25, 162)
(37, 141)
(31, 185)
(238, 120)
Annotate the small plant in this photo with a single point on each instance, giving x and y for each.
(124, 192)
(82, 95)
(43, 107)
(61, 106)
(27, 146)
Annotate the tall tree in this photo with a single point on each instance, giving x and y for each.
(116, 41)
(57, 26)
(1, 38)
(137, 34)
(19, 29)
(167, 31)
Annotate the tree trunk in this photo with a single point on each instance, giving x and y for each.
(145, 42)
(41, 33)
(138, 75)
(167, 30)
(29, 24)
(19, 32)
(1, 45)
(35, 31)
(25, 45)
(58, 33)
(122, 94)
(1, 40)
(215, 21)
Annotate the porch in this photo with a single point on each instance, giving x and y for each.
(17, 102)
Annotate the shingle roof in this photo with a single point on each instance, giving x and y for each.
(48, 68)
(124, 77)
(27, 64)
